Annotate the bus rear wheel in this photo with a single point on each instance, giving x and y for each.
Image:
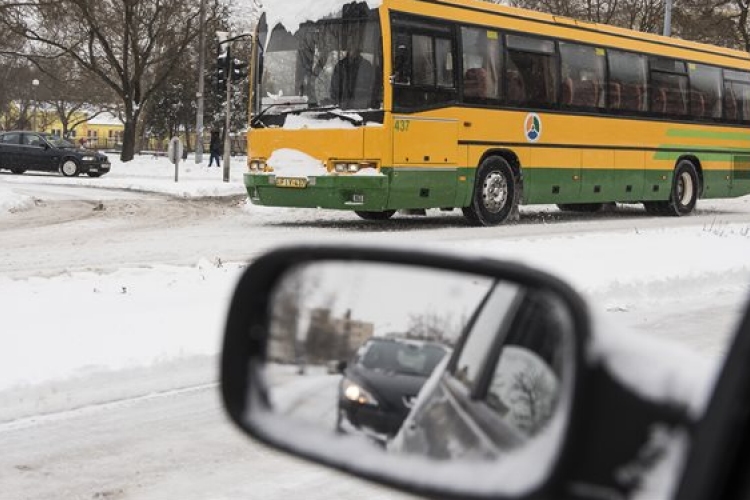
(494, 193)
(384, 215)
(684, 193)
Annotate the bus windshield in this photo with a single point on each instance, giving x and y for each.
(334, 64)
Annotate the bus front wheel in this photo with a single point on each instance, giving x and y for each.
(384, 215)
(684, 194)
(494, 193)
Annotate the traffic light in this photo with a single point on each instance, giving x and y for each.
(222, 67)
(239, 70)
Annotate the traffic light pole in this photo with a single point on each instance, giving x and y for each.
(228, 122)
(201, 86)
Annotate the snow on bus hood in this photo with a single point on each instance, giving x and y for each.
(293, 13)
(294, 163)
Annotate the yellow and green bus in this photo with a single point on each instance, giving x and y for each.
(446, 104)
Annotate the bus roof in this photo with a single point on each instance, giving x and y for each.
(567, 22)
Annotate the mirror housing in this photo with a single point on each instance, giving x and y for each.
(249, 404)
(626, 413)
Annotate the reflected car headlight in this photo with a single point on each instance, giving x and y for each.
(356, 394)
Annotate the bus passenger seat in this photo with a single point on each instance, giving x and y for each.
(567, 92)
(676, 104)
(730, 110)
(697, 103)
(586, 94)
(475, 83)
(516, 88)
(615, 95)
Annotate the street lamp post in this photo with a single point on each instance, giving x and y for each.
(201, 86)
(668, 18)
(34, 84)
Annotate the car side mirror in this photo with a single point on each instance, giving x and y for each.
(466, 375)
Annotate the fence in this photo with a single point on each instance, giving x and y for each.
(158, 145)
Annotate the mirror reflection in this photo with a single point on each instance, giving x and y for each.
(418, 361)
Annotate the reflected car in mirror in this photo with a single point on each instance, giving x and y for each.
(380, 385)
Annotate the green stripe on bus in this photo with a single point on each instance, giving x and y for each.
(705, 153)
(709, 134)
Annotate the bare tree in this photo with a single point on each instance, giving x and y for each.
(720, 22)
(132, 46)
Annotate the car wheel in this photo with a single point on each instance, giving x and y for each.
(18, 171)
(94, 174)
(494, 193)
(581, 207)
(384, 215)
(684, 194)
(69, 168)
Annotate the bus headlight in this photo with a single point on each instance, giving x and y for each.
(350, 167)
(257, 165)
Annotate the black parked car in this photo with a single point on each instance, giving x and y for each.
(381, 384)
(21, 151)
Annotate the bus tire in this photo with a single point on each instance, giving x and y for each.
(581, 207)
(384, 215)
(684, 193)
(494, 193)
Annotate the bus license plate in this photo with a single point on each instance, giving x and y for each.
(291, 182)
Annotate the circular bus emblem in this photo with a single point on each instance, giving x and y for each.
(533, 127)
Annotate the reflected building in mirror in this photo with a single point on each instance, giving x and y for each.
(331, 338)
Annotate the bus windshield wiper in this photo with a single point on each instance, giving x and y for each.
(334, 111)
(330, 109)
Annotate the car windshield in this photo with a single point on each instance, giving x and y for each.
(405, 358)
(334, 63)
(58, 141)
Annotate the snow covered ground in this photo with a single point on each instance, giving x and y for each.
(76, 336)
(164, 312)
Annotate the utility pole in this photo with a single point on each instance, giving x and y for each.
(201, 85)
(668, 18)
(228, 123)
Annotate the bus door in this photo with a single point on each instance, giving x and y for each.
(425, 160)
(597, 175)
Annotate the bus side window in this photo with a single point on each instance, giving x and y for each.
(629, 71)
(706, 91)
(481, 50)
(532, 73)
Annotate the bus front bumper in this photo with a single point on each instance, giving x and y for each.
(342, 192)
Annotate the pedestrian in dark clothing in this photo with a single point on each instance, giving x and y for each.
(215, 149)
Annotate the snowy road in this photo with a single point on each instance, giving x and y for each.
(97, 232)
(126, 376)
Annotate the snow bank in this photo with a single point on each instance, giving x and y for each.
(146, 173)
(10, 201)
